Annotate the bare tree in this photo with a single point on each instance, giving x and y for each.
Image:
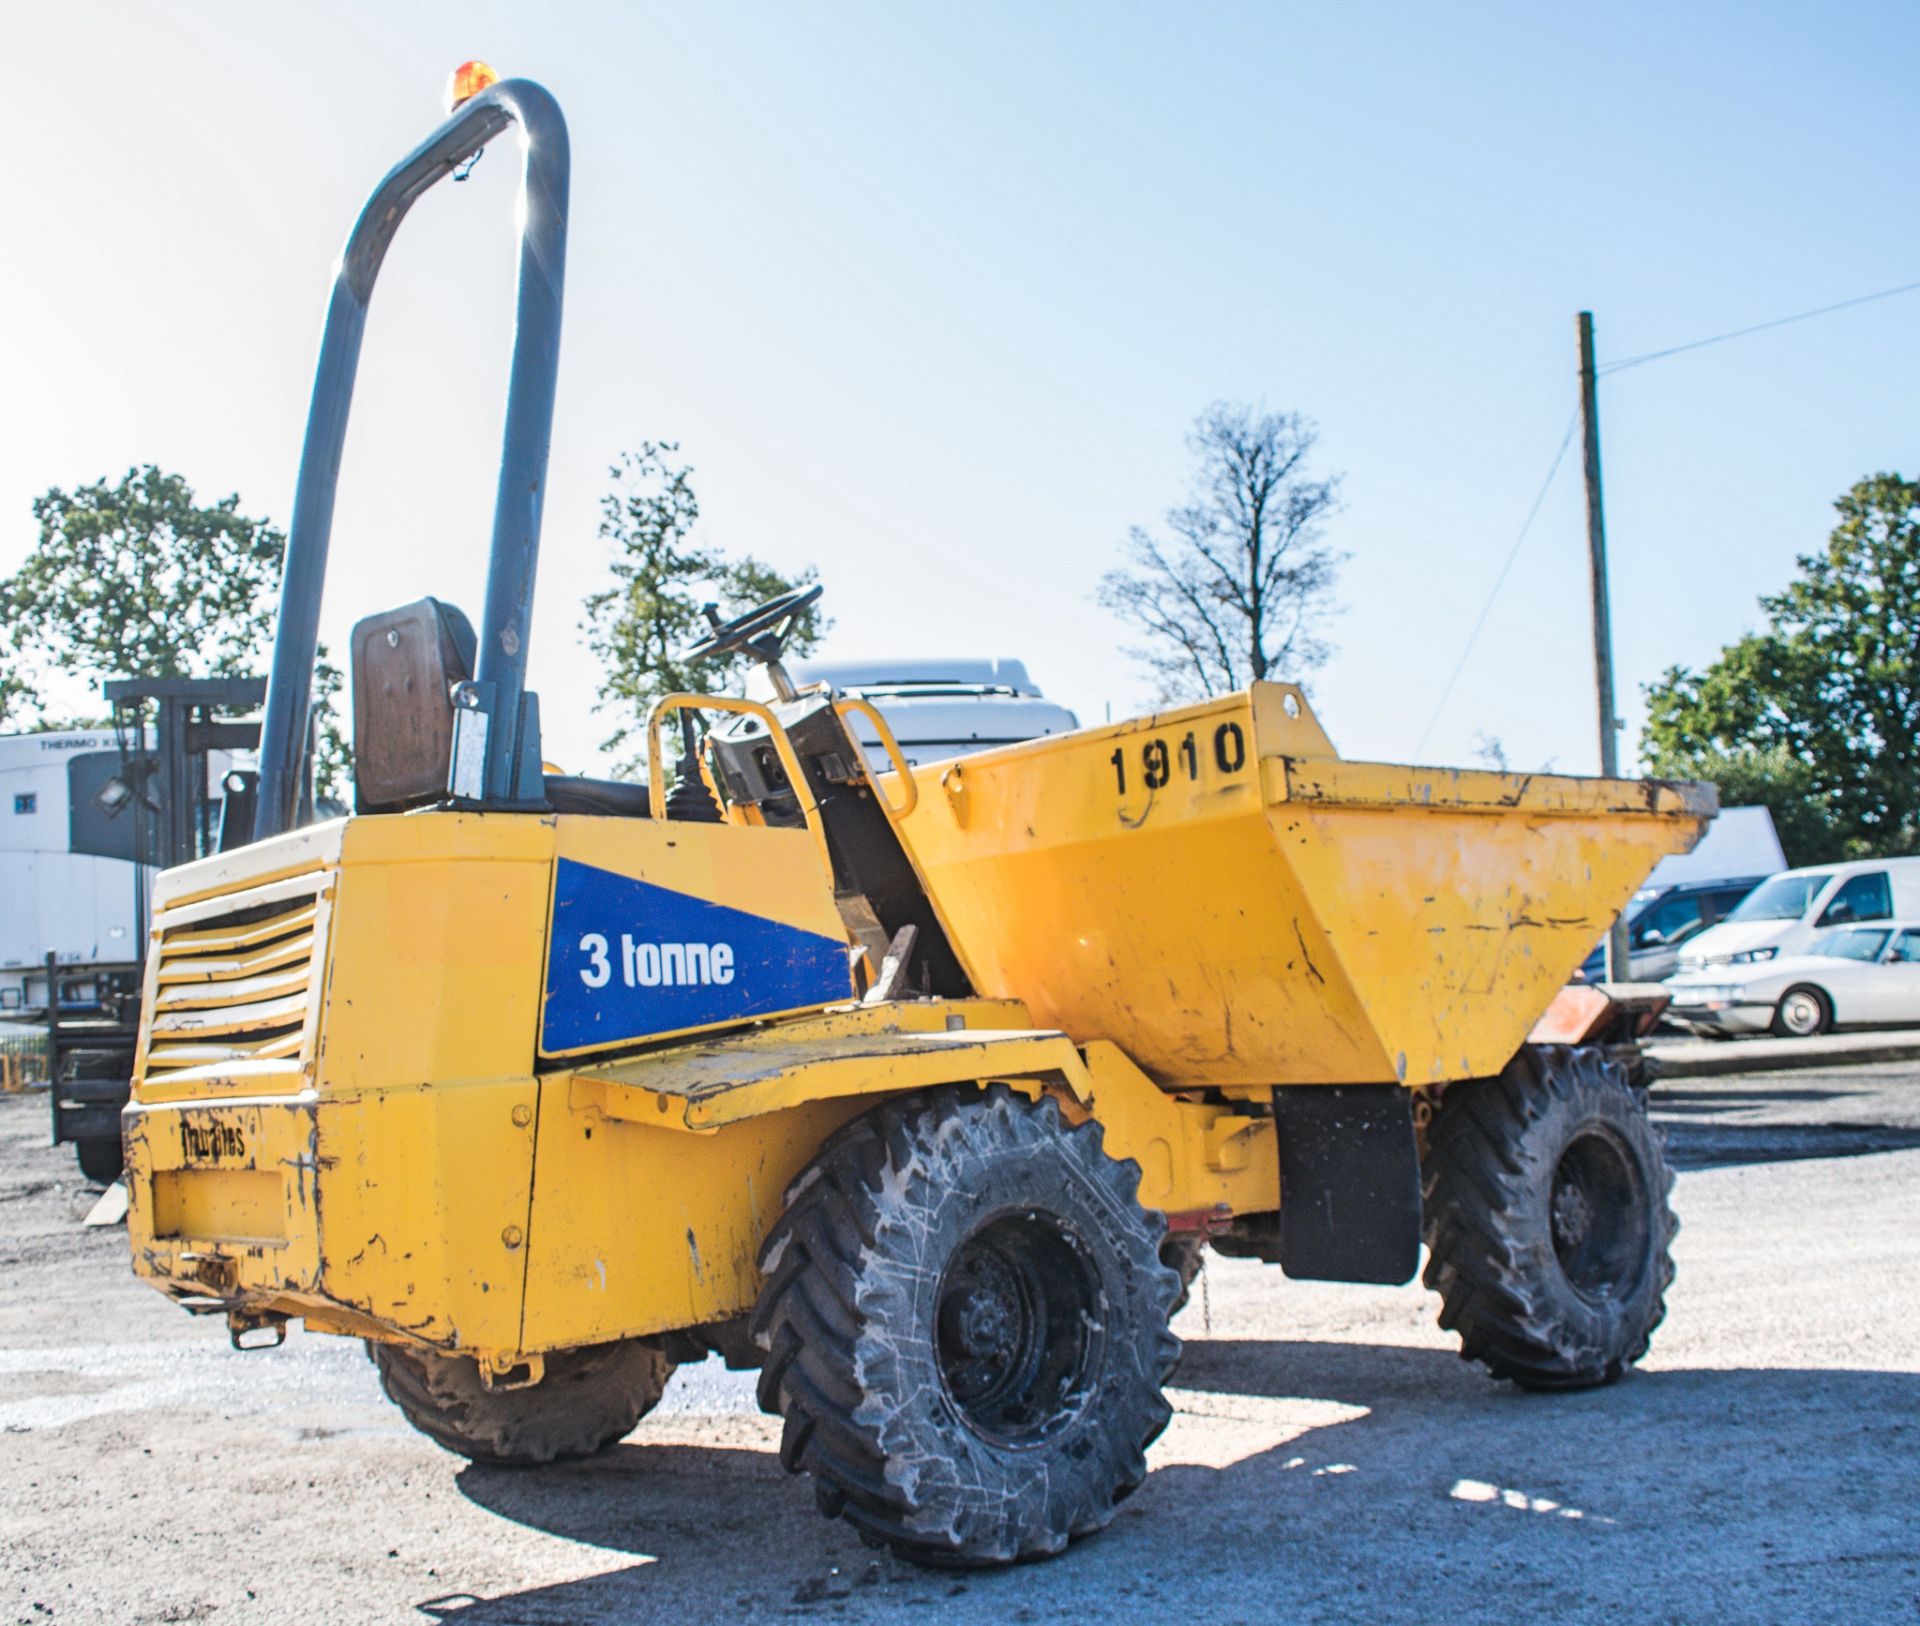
(1243, 582)
(1491, 752)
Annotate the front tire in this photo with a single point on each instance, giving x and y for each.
(1547, 1222)
(586, 1400)
(1804, 1012)
(965, 1319)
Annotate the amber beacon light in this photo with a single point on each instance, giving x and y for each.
(467, 81)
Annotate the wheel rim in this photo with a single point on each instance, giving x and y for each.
(1800, 1013)
(1015, 1328)
(1600, 1223)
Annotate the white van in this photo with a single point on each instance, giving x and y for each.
(1783, 915)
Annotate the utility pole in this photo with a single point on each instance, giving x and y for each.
(1619, 965)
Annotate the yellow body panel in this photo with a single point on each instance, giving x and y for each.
(1215, 892)
(221, 1196)
(1197, 1159)
(381, 1108)
(425, 1216)
(433, 931)
(642, 1229)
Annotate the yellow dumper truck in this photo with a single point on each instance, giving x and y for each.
(921, 1089)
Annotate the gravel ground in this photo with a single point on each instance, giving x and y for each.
(1331, 1458)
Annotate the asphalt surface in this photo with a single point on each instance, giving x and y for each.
(1331, 1459)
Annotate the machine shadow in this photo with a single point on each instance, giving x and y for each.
(1724, 1485)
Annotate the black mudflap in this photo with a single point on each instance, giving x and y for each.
(1349, 1183)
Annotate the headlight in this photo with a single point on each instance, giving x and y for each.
(1751, 956)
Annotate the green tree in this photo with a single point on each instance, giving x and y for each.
(662, 578)
(19, 699)
(1817, 714)
(139, 579)
(332, 750)
(1772, 778)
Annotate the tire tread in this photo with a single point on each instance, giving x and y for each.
(810, 1323)
(1486, 1156)
(588, 1399)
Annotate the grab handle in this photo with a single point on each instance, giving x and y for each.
(656, 763)
(867, 709)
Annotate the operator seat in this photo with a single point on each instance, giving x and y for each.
(406, 663)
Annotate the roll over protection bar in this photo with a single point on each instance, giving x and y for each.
(508, 720)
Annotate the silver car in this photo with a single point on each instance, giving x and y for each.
(1856, 977)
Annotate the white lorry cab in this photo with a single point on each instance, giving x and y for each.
(1783, 915)
(943, 708)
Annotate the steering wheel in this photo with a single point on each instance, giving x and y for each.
(742, 635)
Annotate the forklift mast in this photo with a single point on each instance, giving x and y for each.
(167, 728)
(176, 816)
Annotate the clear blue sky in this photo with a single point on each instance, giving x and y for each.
(929, 296)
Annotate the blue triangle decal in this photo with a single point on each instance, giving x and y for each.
(627, 960)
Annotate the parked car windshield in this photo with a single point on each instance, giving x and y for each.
(1852, 945)
(1785, 897)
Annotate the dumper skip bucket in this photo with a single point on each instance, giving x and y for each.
(1217, 892)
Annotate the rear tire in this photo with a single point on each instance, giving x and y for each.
(1547, 1222)
(1804, 1012)
(102, 1158)
(965, 1320)
(586, 1400)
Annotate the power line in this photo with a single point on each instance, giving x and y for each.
(1567, 439)
(1499, 582)
(1758, 327)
